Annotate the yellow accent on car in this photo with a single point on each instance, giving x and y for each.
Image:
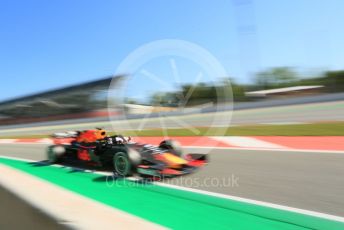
(174, 161)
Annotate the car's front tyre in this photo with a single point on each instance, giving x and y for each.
(122, 164)
(55, 153)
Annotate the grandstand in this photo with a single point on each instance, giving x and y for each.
(76, 101)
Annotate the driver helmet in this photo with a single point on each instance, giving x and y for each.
(100, 134)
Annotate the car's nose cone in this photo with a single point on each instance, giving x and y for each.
(174, 161)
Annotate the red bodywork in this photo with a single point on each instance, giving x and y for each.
(84, 155)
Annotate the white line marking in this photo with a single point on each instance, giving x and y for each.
(26, 143)
(284, 123)
(256, 202)
(67, 207)
(45, 141)
(7, 141)
(314, 151)
(17, 158)
(236, 198)
(247, 142)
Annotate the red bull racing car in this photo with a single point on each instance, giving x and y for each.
(124, 156)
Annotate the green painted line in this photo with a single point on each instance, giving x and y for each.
(173, 208)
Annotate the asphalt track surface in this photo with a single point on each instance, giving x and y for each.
(311, 181)
(304, 113)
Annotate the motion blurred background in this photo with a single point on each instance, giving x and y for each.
(58, 60)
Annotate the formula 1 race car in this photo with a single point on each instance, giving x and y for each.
(122, 155)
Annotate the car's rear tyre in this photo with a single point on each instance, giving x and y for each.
(122, 164)
(55, 153)
(172, 146)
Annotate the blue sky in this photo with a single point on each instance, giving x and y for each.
(49, 44)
